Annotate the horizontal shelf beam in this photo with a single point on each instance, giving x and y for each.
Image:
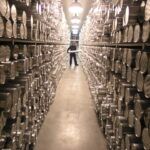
(24, 41)
(120, 45)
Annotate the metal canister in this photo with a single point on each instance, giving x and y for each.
(130, 139)
(13, 91)
(134, 77)
(113, 111)
(137, 60)
(123, 88)
(9, 29)
(14, 85)
(140, 81)
(2, 74)
(112, 142)
(34, 136)
(27, 137)
(145, 56)
(139, 125)
(140, 107)
(108, 127)
(130, 33)
(22, 66)
(19, 139)
(137, 146)
(124, 129)
(20, 30)
(10, 69)
(145, 31)
(14, 28)
(147, 117)
(131, 117)
(2, 142)
(124, 59)
(9, 128)
(146, 138)
(129, 106)
(2, 121)
(35, 61)
(13, 113)
(30, 63)
(137, 33)
(117, 67)
(5, 53)
(24, 80)
(147, 86)
(13, 13)
(10, 142)
(129, 94)
(2, 27)
(5, 101)
(129, 74)
(131, 56)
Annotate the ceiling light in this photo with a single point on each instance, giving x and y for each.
(75, 31)
(75, 26)
(76, 7)
(75, 20)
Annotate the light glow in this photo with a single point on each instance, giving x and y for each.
(75, 31)
(75, 20)
(75, 8)
(75, 26)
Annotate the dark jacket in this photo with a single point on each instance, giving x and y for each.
(72, 48)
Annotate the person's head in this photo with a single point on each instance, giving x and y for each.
(73, 43)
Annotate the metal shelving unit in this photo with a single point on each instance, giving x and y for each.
(29, 42)
(120, 45)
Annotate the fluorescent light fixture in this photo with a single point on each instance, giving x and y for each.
(75, 26)
(75, 31)
(75, 7)
(75, 20)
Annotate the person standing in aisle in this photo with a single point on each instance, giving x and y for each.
(72, 50)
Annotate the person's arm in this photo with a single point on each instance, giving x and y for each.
(68, 49)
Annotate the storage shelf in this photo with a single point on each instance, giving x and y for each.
(113, 45)
(24, 41)
(13, 41)
(120, 45)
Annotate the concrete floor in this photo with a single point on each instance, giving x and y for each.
(71, 123)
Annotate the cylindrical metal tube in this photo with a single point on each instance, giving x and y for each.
(2, 27)
(130, 139)
(9, 30)
(139, 125)
(147, 86)
(131, 57)
(145, 57)
(5, 101)
(140, 106)
(13, 13)
(146, 138)
(140, 81)
(130, 33)
(137, 33)
(129, 74)
(145, 31)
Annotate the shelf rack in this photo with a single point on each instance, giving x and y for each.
(14, 41)
(113, 45)
(120, 45)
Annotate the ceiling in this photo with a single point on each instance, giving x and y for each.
(86, 4)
